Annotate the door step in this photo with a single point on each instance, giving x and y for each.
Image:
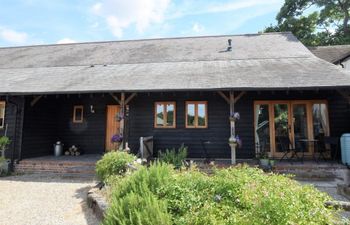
(56, 167)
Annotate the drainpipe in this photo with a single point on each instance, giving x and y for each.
(15, 132)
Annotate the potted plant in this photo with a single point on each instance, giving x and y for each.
(117, 140)
(264, 159)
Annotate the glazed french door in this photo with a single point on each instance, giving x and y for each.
(299, 121)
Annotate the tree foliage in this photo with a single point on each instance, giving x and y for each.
(315, 22)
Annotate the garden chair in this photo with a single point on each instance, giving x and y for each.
(287, 148)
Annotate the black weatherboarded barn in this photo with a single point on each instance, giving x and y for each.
(177, 90)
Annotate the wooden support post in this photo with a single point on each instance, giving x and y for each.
(222, 94)
(232, 139)
(122, 121)
(130, 98)
(35, 100)
(115, 98)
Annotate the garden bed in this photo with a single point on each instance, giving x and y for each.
(160, 194)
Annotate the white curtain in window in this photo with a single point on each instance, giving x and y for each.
(256, 125)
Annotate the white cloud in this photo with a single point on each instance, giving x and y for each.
(66, 41)
(12, 36)
(198, 28)
(121, 14)
(191, 8)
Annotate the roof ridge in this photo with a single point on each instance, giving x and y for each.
(179, 61)
(144, 39)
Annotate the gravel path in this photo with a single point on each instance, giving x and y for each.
(45, 200)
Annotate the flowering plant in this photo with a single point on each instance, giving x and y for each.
(235, 116)
(117, 138)
(236, 140)
(120, 116)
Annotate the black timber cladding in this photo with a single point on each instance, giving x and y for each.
(50, 120)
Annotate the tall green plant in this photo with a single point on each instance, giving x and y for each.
(4, 142)
(174, 157)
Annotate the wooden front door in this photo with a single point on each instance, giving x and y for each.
(113, 125)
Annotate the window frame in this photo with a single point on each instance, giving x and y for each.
(3, 103)
(196, 103)
(164, 104)
(76, 107)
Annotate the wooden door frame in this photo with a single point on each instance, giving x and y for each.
(290, 103)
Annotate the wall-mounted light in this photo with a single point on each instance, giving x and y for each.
(92, 110)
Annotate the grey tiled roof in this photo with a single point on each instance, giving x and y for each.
(332, 54)
(262, 61)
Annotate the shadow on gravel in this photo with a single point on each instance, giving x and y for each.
(81, 194)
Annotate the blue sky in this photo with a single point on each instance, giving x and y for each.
(28, 22)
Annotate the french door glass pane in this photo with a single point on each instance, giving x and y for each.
(201, 114)
(262, 128)
(281, 124)
(160, 115)
(170, 114)
(320, 120)
(190, 114)
(300, 125)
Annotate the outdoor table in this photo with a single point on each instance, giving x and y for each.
(308, 143)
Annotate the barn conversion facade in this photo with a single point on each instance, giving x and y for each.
(178, 90)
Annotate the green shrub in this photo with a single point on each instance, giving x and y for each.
(133, 200)
(240, 195)
(113, 163)
(176, 158)
(4, 142)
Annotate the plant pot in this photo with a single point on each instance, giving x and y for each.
(264, 162)
(233, 144)
(272, 163)
(232, 119)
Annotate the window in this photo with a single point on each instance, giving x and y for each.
(2, 114)
(165, 115)
(78, 114)
(196, 114)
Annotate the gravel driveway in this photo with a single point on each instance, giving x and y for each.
(45, 200)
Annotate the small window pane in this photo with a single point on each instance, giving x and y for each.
(160, 115)
(190, 114)
(202, 115)
(78, 114)
(170, 114)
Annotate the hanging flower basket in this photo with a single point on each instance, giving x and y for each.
(235, 141)
(117, 139)
(234, 116)
(120, 116)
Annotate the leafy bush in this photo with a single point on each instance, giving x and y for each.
(133, 200)
(113, 163)
(177, 158)
(240, 195)
(4, 142)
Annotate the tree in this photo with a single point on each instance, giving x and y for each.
(315, 22)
